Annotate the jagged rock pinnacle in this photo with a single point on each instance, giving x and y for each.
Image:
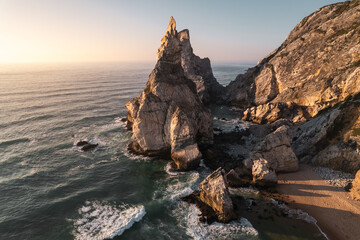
(172, 26)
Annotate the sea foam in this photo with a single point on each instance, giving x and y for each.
(100, 220)
(188, 216)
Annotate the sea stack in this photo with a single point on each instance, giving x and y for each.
(168, 117)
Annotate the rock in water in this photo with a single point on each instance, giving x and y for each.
(263, 174)
(168, 115)
(316, 67)
(89, 146)
(81, 143)
(355, 190)
(276, 149)
(215, 193)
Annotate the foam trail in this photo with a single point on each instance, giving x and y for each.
(103, 221)
(300, 214)
(189, 215)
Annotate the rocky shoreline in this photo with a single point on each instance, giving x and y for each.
(293, 108)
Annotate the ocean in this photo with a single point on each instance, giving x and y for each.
(50, 189)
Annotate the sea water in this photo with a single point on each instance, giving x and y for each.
(49, 189)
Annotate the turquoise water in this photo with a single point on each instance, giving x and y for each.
(49, 189)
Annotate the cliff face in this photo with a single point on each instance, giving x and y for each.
(317, 66)
(195, 68)
(168, 116)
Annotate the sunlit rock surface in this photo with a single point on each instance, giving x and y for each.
(168, 116)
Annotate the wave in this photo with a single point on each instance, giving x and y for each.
(25, 121)
(100, 220)
(299, 214)
(188, 216)
(13, 141)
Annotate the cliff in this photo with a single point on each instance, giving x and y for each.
(316, 67)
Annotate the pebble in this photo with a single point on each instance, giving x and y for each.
(333, 177)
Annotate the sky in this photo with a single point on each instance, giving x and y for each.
(117, 30)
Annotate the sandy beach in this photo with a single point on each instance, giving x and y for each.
(337, 214)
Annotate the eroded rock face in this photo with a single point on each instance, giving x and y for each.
(331, 139)
(317, 66)
(168, 116)
(215, 193)
(195, 68)
(355, 190)
(276, 149)
(263, 174)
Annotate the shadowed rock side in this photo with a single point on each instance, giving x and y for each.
(331, 139)
(168, 116)
(215, 193)
(195, 68)
(317, 66)
(276, 149)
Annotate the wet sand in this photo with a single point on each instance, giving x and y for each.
(336, 213)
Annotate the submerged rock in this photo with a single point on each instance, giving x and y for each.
(276, 149)
(85, 145)
(215, 193)
(168, 116)
(89, 146)
(263, 174)
(81, 143)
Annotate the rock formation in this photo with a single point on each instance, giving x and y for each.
(276, 149)
(263, 174)
(317, 66)
(195, 68)
(168, 115)
(332, 139)
(215, 193)
(237, 178)
(355, 189)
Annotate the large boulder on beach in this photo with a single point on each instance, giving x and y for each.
(263, 174)
(276, 149)
(168, 116)
(355, 189)
(215, 193)
(316, 67)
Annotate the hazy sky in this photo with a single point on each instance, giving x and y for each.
(109, 30)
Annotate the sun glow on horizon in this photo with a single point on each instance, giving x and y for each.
(111, 31)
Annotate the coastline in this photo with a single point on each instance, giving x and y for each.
(336, 213)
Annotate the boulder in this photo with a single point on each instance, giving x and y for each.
(263, 174)
(85, 145)
(276, 149)
(168, 116)
(355, 189)
(234, 180)
(215, 193)
(81, 143)
(89, 146)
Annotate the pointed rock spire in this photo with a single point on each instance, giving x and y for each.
(172, 26)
